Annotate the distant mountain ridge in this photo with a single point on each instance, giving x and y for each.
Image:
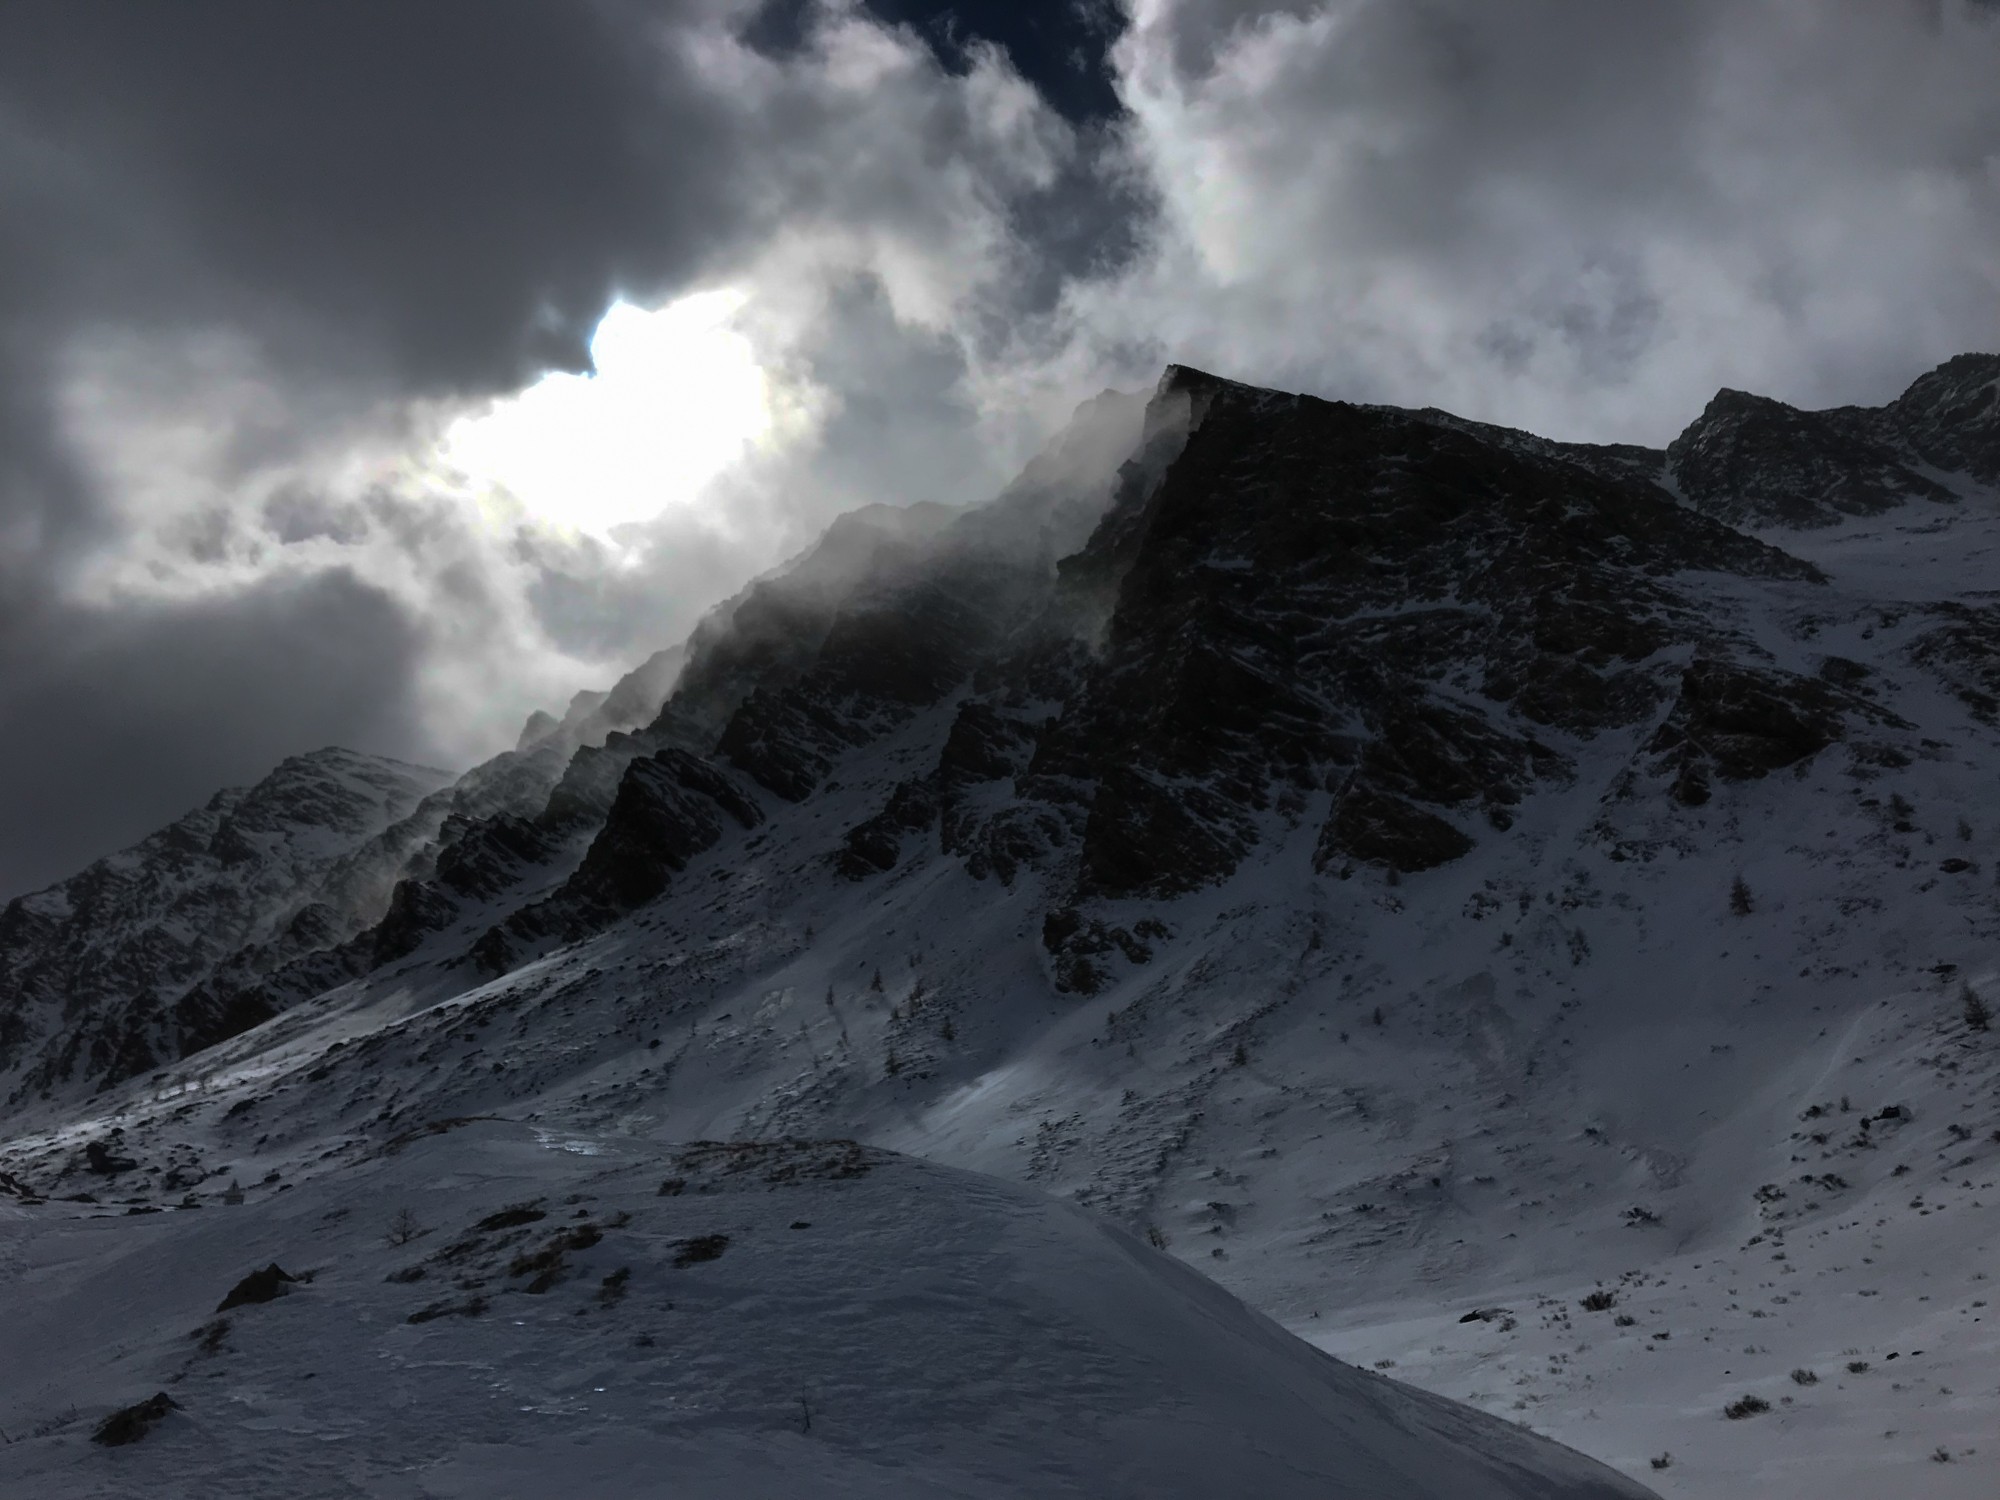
(1400, 605)
(100, 968)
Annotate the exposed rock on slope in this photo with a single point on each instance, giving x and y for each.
(100, 975)
(1753, 461)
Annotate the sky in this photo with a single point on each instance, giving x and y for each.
(375, 373)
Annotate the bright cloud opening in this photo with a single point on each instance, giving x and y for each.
(676, 397)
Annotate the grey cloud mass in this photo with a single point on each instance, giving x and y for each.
(1573, 215)
(255, 257)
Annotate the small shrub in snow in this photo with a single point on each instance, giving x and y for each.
(1804, 1377)
(1624, 1320)
(211, 1335)
(1664, 1461)
(1857, 1367)
(1978, 1015)
(403, 1227)
(1745, 1406)
(1740, 900)
(1599, 1301)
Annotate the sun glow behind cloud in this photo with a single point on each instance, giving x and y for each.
(676, 397)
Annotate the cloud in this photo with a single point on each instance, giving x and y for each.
(1563, 214)
(255, 260)
(258, 259)
(127, 719)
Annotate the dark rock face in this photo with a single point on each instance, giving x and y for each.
(99, 1158)
(1326, 599)
(1752, 461)
(1378, 828)
(266, 1285)
(1619, 461)
(105, 974)
(130, 1423)
(670, 807)
(876, 845)
(1083, 948)
(1295, 604)
(1738, 723)
(1757, 462)
(1950, 418)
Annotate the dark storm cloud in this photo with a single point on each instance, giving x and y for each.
(1570, 213)
(117, 723)
(451, 187)
(381, 199)
(347, 208)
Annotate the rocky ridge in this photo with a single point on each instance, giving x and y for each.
(1193, 620)
(102, 974)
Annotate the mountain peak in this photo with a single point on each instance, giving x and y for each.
(1754, 461)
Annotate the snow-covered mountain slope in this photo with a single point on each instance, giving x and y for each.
(101, 975)
(579, 1315)
(1407, 869)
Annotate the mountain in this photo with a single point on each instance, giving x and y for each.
(101, 973)
(163, 949)
(1753, 461)
(1515, 912)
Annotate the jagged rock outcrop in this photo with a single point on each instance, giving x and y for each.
(1317, 599)
(1738, 723)
(670, 807)
(1753, 461)
(104, 975)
